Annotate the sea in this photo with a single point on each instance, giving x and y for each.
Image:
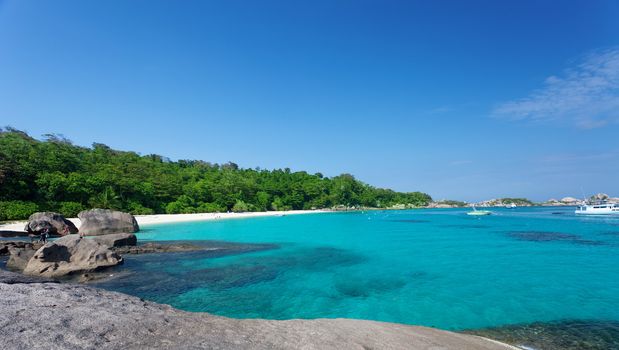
(538, 277)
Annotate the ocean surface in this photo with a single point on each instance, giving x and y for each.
(432, 267)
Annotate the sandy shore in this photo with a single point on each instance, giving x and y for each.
(145, 220)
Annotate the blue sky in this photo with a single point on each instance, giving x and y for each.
(466, 100)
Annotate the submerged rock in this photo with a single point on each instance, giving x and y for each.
(54, 222)
(67, 316)
(560, 335)
(158, 248)
(97, 222)
(69, 255)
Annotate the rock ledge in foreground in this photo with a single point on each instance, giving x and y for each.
(68, 316)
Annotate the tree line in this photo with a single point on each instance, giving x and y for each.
(55, 175)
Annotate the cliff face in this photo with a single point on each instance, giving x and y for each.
(39, 314)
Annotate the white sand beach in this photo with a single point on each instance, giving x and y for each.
(144, 220)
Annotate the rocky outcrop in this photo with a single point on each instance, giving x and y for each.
(54, 222)
(6, 246)
(569, 200)
(67, 316)
(71, 254)
(116, 239)
(20, 257)
(97, 222)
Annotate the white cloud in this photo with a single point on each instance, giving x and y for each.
(586, 95)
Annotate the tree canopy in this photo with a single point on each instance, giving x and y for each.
(55, 175)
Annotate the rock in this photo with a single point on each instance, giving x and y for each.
(14, 233)
(5, 246)
(600, 197)
(20, 258)
(54, 222)
(97, 222)
(71, 254)
(159, 248)
(569, 200)
(9, 277)
(116, 239)
(67, 316)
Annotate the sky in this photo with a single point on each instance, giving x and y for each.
(466, 100)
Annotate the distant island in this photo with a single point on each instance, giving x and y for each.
(522, 202)
(55, 175)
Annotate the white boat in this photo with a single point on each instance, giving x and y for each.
(510, 206)
(598, 208)
(476, 212)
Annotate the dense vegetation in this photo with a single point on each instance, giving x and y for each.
(56, 175)
(517, 201)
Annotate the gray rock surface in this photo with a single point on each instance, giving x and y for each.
(54, 222)
(71, 254)
(20, 257)
(9, 277)
(66, 316)
(97, 222)
(116, 239)
(5, 246)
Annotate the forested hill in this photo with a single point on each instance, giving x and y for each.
(55, 175)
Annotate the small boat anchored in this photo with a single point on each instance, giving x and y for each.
(476, 212)
(511, 206)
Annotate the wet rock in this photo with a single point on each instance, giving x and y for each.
(71, 254)
(97, 222)
(56, 223)
(13, 234)
(116, 239)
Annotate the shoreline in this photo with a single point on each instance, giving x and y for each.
(155, 219)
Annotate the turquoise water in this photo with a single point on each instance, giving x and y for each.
(436, 268)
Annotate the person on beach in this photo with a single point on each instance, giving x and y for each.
(44, 235)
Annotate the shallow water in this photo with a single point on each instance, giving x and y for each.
(436, 268)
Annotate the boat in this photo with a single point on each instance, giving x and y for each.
(476, 212)
(510, 206)
(601, 207)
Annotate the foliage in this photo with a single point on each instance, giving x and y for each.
(53, 174)
(70, 209)
(517, 201)
(15, 210)
(453, 203)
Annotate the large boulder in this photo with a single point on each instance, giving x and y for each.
(116, 239)
(97, 222)
(569, 200)
(20, 257)
(71, 254)
(54, 222)
(599, 197)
